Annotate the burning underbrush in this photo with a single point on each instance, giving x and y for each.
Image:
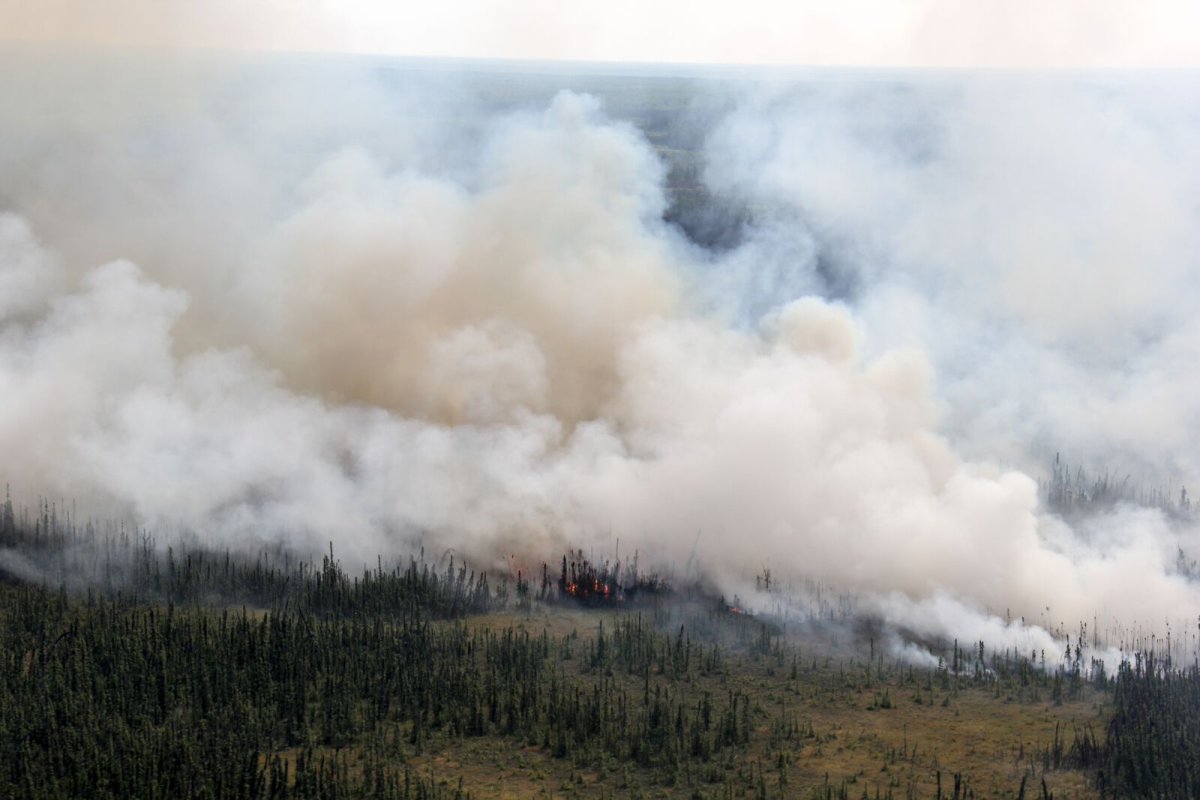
(607, 584)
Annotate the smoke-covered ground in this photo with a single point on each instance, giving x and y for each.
(831, 324)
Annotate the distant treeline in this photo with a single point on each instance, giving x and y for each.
(48, 548)
(1073, 490)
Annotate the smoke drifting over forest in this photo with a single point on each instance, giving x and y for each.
(300, 301)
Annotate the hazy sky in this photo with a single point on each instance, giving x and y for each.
(970, 33)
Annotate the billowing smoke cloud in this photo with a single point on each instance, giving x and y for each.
(1034, 235)
(415, 313)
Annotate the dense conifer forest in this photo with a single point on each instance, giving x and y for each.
(197, 674)
(1152, 748)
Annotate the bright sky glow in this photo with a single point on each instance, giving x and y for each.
(902, 33)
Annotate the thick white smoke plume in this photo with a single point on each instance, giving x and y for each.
(308, 301)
